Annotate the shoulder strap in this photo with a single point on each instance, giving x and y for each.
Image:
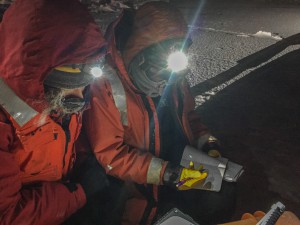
(119, 95)
(19, 110)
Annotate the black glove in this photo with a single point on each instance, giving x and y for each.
(171, 175)
(91, 176)
(212, 147)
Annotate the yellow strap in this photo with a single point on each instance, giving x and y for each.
(68, 69)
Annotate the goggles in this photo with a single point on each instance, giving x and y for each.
(73, 75)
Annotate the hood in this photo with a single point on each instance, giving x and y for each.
(154, 22)
(116, 35)
(38, 35)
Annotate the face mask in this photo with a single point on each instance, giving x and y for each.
(140, 78)
(61, 104)
(73, 105)
(151, 69)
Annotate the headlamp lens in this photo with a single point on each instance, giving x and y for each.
(96, 71)
(177, 61)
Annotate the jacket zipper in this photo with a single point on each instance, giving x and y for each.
(65, 126)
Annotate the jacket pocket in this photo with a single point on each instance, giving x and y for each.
(41, 154)
(51, 173)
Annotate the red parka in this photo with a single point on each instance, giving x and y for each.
(36, 152)
(126, 138)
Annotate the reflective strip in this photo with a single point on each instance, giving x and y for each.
(154, 170)
(118, 93)
(14, 106)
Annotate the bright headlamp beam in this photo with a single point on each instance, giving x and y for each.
(96, 71)
(177, 61)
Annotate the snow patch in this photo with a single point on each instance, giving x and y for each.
(264, 34)
(243, 35)
(259, 34)
(206, 96)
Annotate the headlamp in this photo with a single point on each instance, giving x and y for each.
(73, 75)
(96, 71)
(177, 61)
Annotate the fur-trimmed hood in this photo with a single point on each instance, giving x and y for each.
(38, 35)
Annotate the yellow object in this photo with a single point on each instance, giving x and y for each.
(68, 69)
(190, 177)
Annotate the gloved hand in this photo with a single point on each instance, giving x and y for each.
(91, 176)
(287, 218)
(212, 147)
(183, 178)
(257, 215)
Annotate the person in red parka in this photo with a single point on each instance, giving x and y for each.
(47, 50)
(142, 118)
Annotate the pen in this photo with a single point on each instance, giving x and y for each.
(180, 183)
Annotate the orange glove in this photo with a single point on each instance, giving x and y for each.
(257, 215)
(287, 218)
(248, 219)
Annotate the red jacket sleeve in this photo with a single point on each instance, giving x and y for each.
(40, 204)
(193, 119)
(105, 132)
